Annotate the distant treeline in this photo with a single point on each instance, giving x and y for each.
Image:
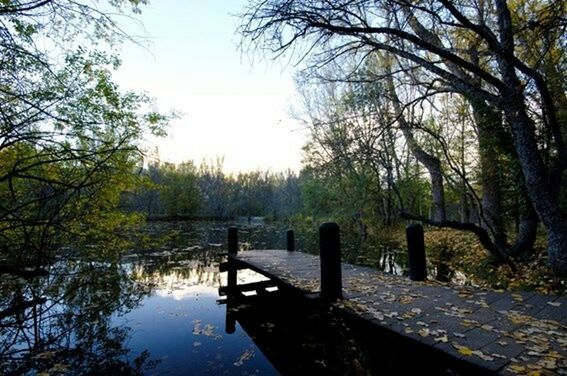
(186, 190)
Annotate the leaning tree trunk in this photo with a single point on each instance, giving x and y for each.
(488, 121)
(537, 179)
(431, 162)
(537, 183)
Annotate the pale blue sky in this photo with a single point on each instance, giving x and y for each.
(232, 107)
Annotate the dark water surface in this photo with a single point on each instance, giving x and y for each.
(158, 312)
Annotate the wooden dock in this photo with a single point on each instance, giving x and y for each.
(521, 333)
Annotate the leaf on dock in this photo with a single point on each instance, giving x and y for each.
(463, 350)
(442, 339)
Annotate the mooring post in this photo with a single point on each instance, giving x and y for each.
(232, 251)
(290, 240)
(230, 321)
(233, 240)
(416, 252)
(330, 254)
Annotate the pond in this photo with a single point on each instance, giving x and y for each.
(159, 312)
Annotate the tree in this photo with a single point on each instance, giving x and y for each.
(179, 190)
(68, 136)
(505, 80)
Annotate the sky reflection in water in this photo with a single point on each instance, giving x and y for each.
(182, 325)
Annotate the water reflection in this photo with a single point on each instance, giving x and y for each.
(156, 312)
(177, 270)
(181, 323)
(71, 328)
(152, 314)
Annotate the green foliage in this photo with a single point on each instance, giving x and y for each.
(320, 197)
(69, 136)
(179, 190)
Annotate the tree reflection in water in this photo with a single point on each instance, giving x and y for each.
(70, 330)
(93, 317)
(76, 320)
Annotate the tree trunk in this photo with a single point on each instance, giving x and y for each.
(464, 205)
(537, 180)
(431, 163)
(489, 122)
(555, 79)
(527, 224)
(537, 184)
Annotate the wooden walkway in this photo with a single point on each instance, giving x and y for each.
(507, 333)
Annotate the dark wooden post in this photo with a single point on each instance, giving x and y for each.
(290, 241)
(231, 279)
(330, 254)
(416, 252)
(230, 321)
(233, 240)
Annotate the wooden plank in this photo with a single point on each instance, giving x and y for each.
(486, 328)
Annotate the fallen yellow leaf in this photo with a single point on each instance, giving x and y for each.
(516, 368)
(463, 349)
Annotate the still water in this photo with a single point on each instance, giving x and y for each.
(158, 312)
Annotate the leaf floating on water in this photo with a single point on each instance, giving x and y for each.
(423, 332)
(246, 355)
(417, 311)
(442, 339)
(408, 330)
(207, 331)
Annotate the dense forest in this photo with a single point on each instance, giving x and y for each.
(444, 112)
(188, 191)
